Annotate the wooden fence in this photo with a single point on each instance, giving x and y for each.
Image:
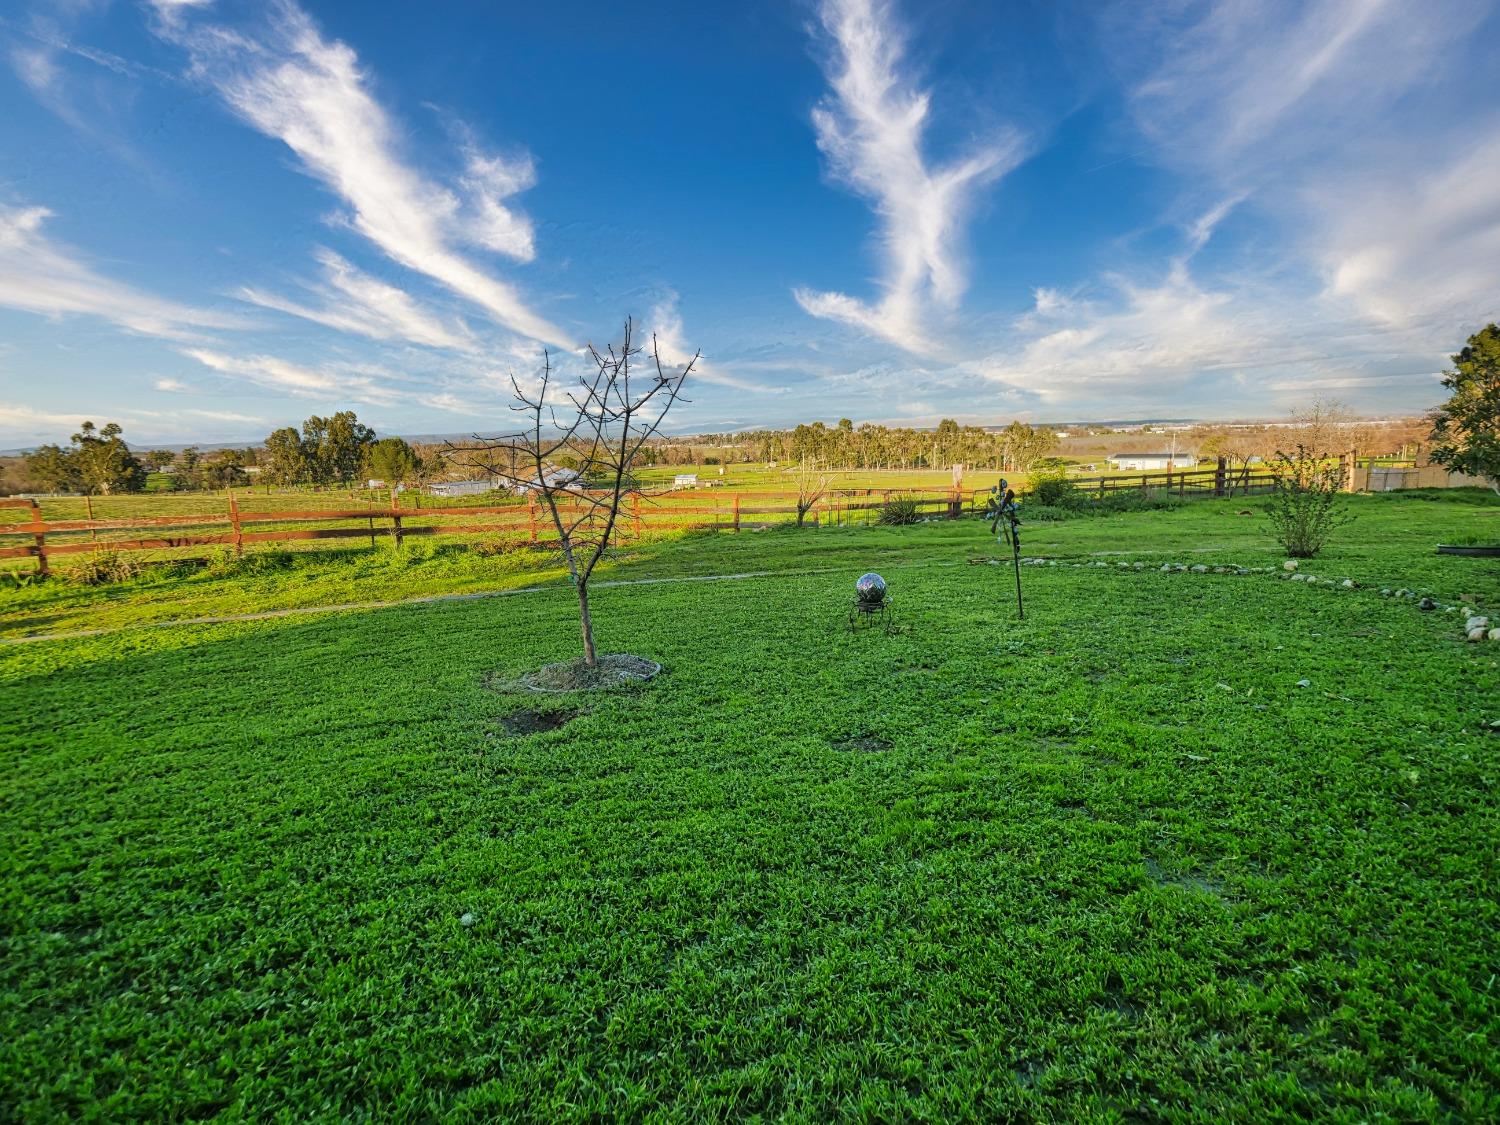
(233, 525)
(1220, 480)
(233, 522)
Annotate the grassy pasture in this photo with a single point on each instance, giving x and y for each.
(1109, 863)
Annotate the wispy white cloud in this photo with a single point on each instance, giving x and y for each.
(350, 300)
(488, 181)
(19, 422)
(37, 68)
(1303, 106)
(225, 416)
(311, 93)
(41, 276)
(169, 386)
(665, 324)
(871, 130)
(1421, 247)
(276, 374)
(344, 382)
(1242, 88)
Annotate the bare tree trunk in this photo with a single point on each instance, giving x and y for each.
(590, 657)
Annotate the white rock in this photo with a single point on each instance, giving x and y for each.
(1304, 683)
(1476, 634)
(1199, 569)
(1495, 634)
(1347, 583)
(1290, 564)
(1477, 622)
(466, 920)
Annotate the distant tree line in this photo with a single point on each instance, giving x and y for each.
(1017, 448)
(338, 450)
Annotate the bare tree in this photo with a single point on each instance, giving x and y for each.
(602, 422)
(812, 485)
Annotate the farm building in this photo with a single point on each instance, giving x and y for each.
(461, 488)
(553, 478)
(1151, 460)
(685, 480)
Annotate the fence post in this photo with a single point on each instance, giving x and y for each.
(234, 524)
(1353, 463)
(396, 517)
(1219, 470)
(635, 512)
(736, 511)
(88, 509)
(531, 516)
(39, 538)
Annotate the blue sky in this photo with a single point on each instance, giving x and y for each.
(217, 218)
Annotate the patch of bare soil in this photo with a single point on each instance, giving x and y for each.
(519, 724)
(865, 743)
(613, 670)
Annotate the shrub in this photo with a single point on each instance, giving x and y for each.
(1137, 500)
(106, 568)
(1053, 489)
(1112, 504)
(899, 510)
(1047, 513)
(1307, 504)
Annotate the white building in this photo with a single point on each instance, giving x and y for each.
(1151, 461)
(552, 478)
(685, 480)
(461, 488)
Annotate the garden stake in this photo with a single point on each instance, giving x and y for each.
(1002, 507)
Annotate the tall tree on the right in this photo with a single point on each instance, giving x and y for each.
(1466, 428)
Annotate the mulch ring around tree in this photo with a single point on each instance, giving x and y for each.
(613, 670)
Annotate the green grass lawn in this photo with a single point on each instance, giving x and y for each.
(1111, 863)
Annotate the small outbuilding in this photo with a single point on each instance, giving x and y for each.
(1150, 460)
(461, 487)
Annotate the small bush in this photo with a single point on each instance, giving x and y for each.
(1137, 500)
(107, 568)
(489, 548)
(1053, 489)
(1048, 513)
(1307, 504)
(899, 510)
(1112, 504)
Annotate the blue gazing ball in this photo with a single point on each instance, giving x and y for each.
(870, 588)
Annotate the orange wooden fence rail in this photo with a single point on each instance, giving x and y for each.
(236, 527)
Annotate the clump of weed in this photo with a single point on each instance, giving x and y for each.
(898, 510)
(492, 548)
(107, 568)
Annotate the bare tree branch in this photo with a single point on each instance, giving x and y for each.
(603, 430)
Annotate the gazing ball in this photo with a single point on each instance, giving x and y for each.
(870, 588)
